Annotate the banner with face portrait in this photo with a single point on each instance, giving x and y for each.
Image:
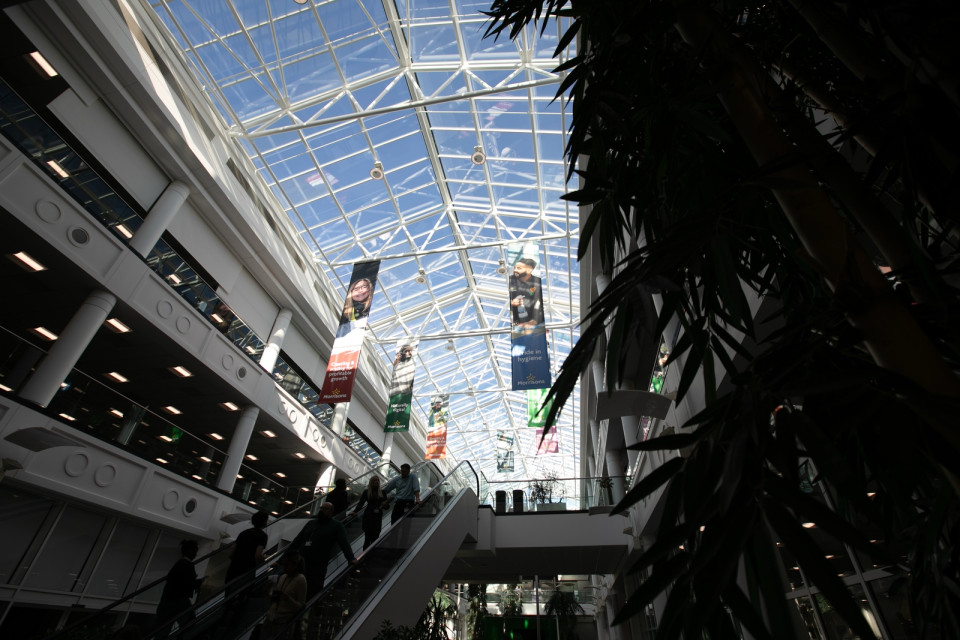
(437, 427)
(401, 389)
(352, 328)
(504, 452)
(537, 411)
(528, 332)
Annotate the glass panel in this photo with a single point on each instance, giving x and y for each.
(115, 570)
(893, 598)
(66, 551)
(20, 518)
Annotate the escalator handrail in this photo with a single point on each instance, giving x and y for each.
(235, 582)
(340, 571)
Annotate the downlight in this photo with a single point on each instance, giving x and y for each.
(502, 269)
(377, 172)
(421, 276)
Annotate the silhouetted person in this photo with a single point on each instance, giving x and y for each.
(182, 582)
(372, 520)
(339, 497)
(408, 492)
(247, 552)
(315, 543)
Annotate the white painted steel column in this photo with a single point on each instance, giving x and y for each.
(237, 448)
(63, 355)
(387, 446)
(615, 473)
(159, 217)
(268, 359)
(339, 421)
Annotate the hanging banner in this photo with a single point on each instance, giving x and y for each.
(550, 444)
(342, 367)
(537, 411)
(504, 452)
(528, 333)
(437, 427)
(401, 389)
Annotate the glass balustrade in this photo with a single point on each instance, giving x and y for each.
(551, 494)
(79, 179)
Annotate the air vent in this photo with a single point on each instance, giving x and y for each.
(79, 236)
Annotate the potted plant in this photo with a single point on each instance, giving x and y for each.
(542, 492)
(564, 605)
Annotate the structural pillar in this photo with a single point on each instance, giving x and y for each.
(339, 421)
(615, 473)
(387, 446)
(159, 217)
(237, 448)
(268, 359)
(63, 355)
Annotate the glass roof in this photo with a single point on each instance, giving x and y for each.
(319, 92)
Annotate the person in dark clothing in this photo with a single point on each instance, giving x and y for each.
(408, 492)
(181, 584)
(376, 502)
(248, 549)
(315, 543)
(339, 497)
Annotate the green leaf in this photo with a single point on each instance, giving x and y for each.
(649, 484)
(661, 579)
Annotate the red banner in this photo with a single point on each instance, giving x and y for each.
(437, 427)
(351, 330)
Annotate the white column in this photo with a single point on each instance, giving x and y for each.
(159, 217)
(387, 446)
(615, 472)
(63, 355)
(339, 421)
(268, 359)
(237, 448)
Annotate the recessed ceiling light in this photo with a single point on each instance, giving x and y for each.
(126, 233)
(166, 438)
(174, 278)
(280, 474)
(268, 433)
(229, 406)
(196, 477)
(67, 416)
(265, 489)
(116, 376)
(809, 525)
(44, 64)
(117, 326)
(57, 169)
(253, 502)
(239, 477)
(205, 459)
(250, 456)
(44, 333)
(27, 261)
(161, 461)
(250, 349)
(299, 455)
(215, 436)
(5, 387)
(216, 318)
(183, 372)
(172, 409)
(288, 502)
(117, 412)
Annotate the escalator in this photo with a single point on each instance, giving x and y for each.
(396, 576)
(214, 595)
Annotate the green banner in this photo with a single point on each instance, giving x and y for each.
(401, 389)
(537, 412)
